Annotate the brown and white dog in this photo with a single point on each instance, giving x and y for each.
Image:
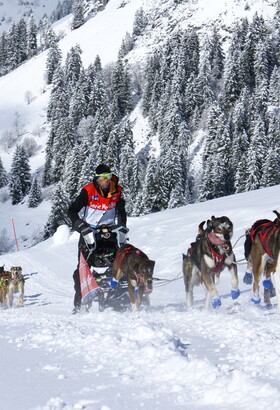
(138, 270)
(15, 283)
(265, 260)
(207, 257)
(4, 282)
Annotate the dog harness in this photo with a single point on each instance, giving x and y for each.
(218, 259)
(126, 250)
(264, 232)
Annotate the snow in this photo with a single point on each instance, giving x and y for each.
(167, 357)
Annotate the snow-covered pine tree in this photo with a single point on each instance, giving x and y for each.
(3, 175)
(271, 169)
(274, 87)
(58, 215)
(254, 170)
(77, 104)
(13, 55)
(20, 178)
(63, 142)
(47, 34)
(31, 37)
(73, 66)
(53, 61)
(3, 53)
(140, 22)
(58, 106)
(121, 90)
(88, 164)
(22, 33)
(78, 10)
(216, 55)
(35, 194)
(72, 170)
(151, 188)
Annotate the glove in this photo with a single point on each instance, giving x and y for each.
(82, 227)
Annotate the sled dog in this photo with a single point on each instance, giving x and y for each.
(15, 283)
(265, 260)
(207, 257)
(4, 281)
(138, 270)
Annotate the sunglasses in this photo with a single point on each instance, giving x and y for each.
(105, 176)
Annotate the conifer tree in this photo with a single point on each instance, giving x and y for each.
(151, 189)
(48, 174)
(58, 215)
(13, 54)
(58, 106)
(88, 167)
(151, 74)
(78, 11)
(274, 88)
(3, 175)
(127, 45)
(254, 170)
(35, 194)
(72, 171)
(121, 90)
(48, 36)
(63, 142)
(77, 105)
(20, 179)
(114, 147)
(232, 79)
(73, 66)
(22, 33)
(53, 61)
(216, 55)
(32, 37)
(271, 169)
(3, 53)
(140, 22)
(241, 174)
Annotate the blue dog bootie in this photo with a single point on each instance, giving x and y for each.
(256, 300)
(248, 278)
(267, 284)
(235, 293)
(216, 302)
(113, 282)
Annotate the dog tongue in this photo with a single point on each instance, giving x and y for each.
(214, 239)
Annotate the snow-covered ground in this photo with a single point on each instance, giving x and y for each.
(163, 358)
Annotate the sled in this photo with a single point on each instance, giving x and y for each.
(103, 243)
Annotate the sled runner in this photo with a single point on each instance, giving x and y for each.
(97, 282)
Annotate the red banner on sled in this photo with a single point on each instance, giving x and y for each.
(88, 283)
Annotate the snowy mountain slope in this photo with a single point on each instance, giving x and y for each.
(102, 35)
(13, 10)
(165, 358)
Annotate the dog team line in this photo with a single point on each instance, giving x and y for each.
(206, 258)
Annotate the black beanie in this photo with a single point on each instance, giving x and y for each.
(102, 169)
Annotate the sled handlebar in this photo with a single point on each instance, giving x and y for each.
(105, 232)
(104, 228)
